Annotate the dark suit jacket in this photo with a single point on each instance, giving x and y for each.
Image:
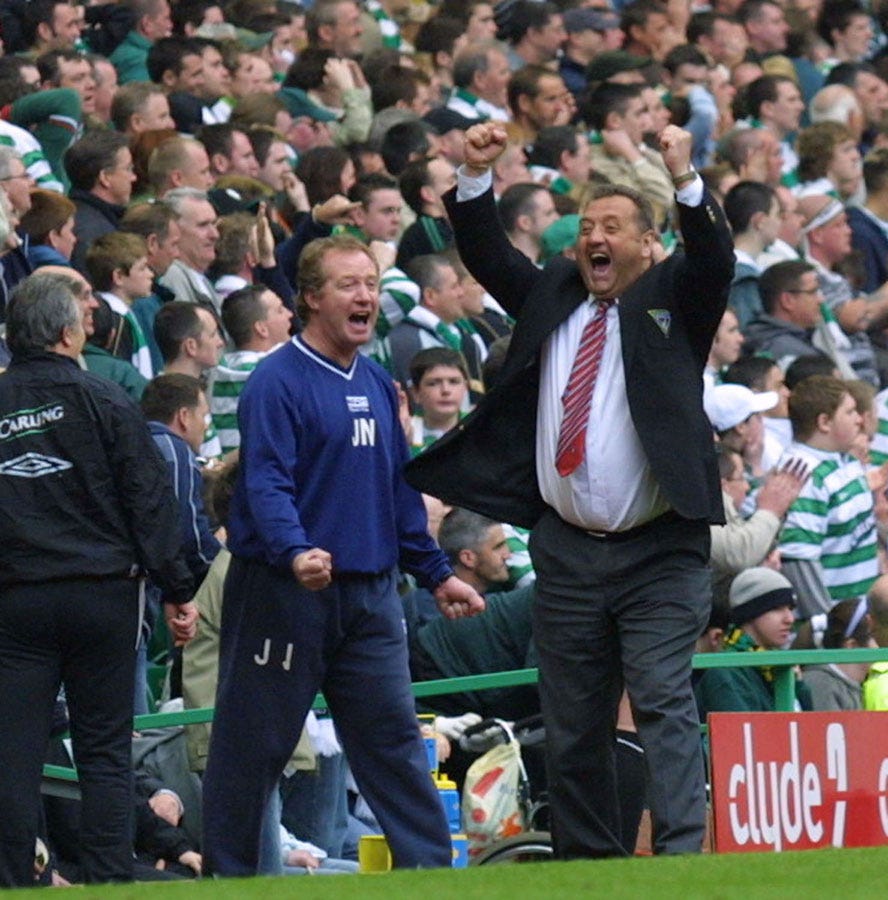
(870, 240)
(667, 321)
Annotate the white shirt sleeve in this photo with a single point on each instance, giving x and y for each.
(691, 194)
(468, 187)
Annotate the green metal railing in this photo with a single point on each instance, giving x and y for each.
(782, 663)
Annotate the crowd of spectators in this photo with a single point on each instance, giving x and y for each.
(172, 160)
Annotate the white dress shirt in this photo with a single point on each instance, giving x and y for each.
(613, 488)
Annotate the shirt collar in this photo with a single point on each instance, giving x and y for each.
(743, 257)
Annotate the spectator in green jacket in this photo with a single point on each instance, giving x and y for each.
(762, 603)
(151, 20)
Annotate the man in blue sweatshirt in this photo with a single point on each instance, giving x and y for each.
(320, 520)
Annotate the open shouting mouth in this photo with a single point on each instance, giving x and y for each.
(600, 263)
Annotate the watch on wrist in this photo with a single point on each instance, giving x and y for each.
(680, 181)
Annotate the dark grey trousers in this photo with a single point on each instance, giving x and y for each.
(612, 612)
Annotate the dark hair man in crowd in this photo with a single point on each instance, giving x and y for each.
(753, 212)
(538, 99)
(176, 408)
(498, 641)
(188, 337)
(158, 225)
(868, 222)
(100, 169)
(791, 298)
(620, 116)
(422, 183)
(536, 33)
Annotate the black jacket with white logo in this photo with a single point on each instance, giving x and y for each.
(83, 490)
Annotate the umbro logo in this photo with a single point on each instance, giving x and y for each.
(34, 465)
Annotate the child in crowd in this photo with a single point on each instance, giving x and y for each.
(440, 382)
(829, 543)
(118, 268)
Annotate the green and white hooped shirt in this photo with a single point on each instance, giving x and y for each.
(227, 382)
(879, 443)
(467, 104)
(551, 178)
(398, 295)
(832, 522)
(388, 27)
(31, 153)
(141, 357)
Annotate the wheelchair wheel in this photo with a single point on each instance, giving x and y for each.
(530, 846)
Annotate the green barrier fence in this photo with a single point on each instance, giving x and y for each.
(782, 663)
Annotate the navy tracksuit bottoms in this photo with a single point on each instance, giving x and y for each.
(279, 645)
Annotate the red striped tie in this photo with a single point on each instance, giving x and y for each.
(577, 396)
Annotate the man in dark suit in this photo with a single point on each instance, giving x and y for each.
(620, 522)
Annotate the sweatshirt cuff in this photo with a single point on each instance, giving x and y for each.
(438, 576)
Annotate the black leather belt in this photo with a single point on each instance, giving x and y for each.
(631, 533)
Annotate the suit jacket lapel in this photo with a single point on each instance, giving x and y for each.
(638, 302)
(554, 297)
(626, 310)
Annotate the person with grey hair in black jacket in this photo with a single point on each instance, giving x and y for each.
(86, 508)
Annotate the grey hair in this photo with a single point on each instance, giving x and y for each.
(7, 155)
(75, 285)
(462, 529)
(5, 215)
(472, 59)
(176, 198)
(834, 103)
(42, 306)
(324, 12)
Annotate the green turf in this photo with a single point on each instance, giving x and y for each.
(810, 875)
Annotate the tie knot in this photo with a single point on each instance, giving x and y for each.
(605, 304)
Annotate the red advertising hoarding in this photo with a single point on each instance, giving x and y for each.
(796, 781)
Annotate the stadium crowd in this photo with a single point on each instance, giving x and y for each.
(170, 171)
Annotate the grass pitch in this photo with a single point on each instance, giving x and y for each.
(809, 875)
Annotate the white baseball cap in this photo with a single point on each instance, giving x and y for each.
(728, 405)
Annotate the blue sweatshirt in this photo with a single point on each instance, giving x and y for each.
(322, 453)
